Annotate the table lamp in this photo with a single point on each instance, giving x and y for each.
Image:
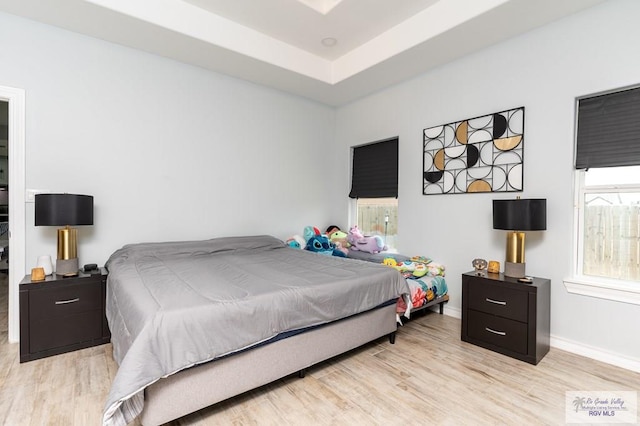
(65, 210)
(517, 216)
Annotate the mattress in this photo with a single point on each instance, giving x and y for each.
(171, 306)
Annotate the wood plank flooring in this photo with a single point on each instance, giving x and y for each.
(428, 377)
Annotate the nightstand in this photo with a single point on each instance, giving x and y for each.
(62, 314)
(506, 316)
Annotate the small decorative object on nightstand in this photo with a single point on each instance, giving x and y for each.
(479, 265)
(61, 314)
(45, 263)
(37, 274)
(506, 316)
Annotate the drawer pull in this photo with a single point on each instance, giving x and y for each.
(497, 302)
(499, 333)
(64, 302)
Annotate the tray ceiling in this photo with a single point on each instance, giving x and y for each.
(331, 51)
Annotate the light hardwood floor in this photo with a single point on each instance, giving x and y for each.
(428, 377)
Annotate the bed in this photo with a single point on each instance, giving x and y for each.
(418, 284)
(186, 317)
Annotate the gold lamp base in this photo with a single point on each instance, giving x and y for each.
(67, 243)
(67, 267)
(67, 262)
(514, 270)
(515, 265)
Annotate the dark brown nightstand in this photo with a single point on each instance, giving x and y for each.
(61, 314)
(506, 316)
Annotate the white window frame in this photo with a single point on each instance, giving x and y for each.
(600, 287)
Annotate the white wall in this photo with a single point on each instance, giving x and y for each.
(169, 151)
(544, 70)
(172, 152)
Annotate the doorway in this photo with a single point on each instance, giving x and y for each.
(4, 222)
(15, 102)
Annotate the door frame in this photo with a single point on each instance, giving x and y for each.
(17, 211)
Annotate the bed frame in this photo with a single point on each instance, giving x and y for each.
(204, 385)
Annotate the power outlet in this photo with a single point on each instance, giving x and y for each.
(31, 194)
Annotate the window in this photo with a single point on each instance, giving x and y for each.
(374, 185)
(609, 218)
(378, 216)
(607, 205)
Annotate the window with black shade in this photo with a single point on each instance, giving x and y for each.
(374, 185)
(607, 162)
(375, 170)
(608, 131)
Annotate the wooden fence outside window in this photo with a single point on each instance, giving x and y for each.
(371, 220)
(611, 245)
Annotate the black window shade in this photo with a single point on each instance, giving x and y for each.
(608, 133)
(375, 170)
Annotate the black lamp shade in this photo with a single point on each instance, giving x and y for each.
(520, 214)
(63, 209)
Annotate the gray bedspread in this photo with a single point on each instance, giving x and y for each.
(174, 305)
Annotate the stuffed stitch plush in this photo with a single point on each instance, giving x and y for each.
(321, 244)
(359, 242)
(310, 231)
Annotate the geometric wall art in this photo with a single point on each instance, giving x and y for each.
(482, 154)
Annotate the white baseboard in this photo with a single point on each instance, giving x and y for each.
(598, 354)
(452, 312)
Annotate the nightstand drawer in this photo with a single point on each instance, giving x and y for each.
(505, 333)
(497, 300)
(71, 329)
(62, 301)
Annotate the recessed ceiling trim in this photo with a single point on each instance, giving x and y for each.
(186, 19)
(227, 36)
(190, 20)
(426, 25)
(321, 6)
